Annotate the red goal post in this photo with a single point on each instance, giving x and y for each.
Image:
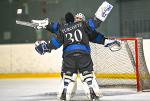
(136, 60)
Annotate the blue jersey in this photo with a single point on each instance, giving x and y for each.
(74, 37)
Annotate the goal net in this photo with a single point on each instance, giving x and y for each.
(123, 68)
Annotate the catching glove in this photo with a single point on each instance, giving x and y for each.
(114, 45)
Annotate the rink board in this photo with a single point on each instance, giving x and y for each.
(22, 61)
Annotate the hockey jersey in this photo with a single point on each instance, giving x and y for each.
(74, 37)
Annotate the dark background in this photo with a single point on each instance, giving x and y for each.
(129, 18)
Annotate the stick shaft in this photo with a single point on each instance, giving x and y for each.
(24, 23)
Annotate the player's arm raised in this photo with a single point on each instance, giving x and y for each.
(103, 11)
(100, 15)
(46, 24)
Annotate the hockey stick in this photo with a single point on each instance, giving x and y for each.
(24, 23)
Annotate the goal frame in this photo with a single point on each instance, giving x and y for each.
(136, 60)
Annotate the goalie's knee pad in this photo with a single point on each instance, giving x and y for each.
(68, 86)
(90, 85)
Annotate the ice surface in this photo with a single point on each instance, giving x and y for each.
(46, 90)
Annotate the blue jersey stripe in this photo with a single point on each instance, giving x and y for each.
(77, 47)
(98, 38)
(55, 27)
(55, 42)
(91, 24)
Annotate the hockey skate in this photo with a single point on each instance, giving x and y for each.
(93, 95)
(63, 96)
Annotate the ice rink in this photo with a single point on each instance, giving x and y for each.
(115, 34)
(46, 90)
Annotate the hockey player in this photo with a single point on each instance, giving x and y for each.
(75, 37)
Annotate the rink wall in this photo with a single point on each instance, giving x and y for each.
(23, 61)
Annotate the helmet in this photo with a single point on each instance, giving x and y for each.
(69, 17)
(80, 16)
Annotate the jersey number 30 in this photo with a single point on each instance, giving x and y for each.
(74, 37)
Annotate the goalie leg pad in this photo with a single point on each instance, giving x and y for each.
(90, 85)
(68, 86)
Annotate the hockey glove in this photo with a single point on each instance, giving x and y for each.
(103, 11)
(114, 45)
(41, 24)
(41, 47)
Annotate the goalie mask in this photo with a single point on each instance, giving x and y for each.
(79, 17)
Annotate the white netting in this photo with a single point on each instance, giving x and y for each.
(118, 68)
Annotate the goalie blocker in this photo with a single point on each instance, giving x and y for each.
(103, 11)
